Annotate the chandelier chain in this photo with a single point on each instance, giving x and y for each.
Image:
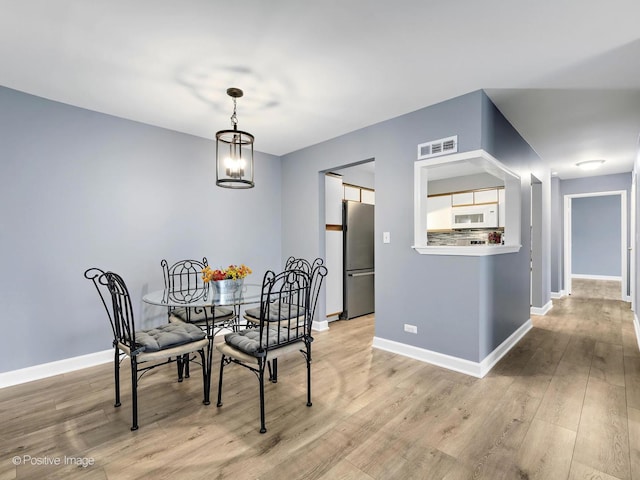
(234, 117)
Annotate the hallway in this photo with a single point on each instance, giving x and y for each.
(590, 410)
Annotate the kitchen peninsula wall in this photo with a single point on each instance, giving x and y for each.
(412, 287)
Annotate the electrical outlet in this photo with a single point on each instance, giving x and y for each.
(410, 328)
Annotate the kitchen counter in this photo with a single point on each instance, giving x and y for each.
(467, 250)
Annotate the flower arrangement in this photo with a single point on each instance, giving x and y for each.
(232, 272)
(495, 237)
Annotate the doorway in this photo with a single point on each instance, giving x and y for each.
(355, 184)
(588, 241)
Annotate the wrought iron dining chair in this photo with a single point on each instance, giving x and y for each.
(146, 349)
(183, 283)
(285, 297)
(252, 315)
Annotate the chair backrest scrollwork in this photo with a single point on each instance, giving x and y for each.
(318, 274)
(183, 280)
(117, 302)
(283, 302)
(294, 263)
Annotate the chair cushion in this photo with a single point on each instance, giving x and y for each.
(248, 341)
(277, 314)
(201, 316)
(168, 336)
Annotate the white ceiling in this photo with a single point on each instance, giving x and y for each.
(566, 74)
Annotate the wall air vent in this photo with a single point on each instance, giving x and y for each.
(436, 148)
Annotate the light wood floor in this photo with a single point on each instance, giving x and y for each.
(588, 288)
(563, 404)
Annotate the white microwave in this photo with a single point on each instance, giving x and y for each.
(475, 216)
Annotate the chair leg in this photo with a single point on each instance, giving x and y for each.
(204, 377)
(209, 362)
(180, 367)
(134, 392)
(219, 404)
(308, 358)
(273, 370)
(185, 363)
(261, 365)
(116, 375)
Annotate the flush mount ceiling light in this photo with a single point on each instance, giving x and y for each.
(590, 164)
(234, 152)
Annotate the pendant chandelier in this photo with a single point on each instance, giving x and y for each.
(234, 152)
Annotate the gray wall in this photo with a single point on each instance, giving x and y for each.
(511, 278)
(595, 184)
(81, 189)
(462, 306)
(360, 175)
(596, 235)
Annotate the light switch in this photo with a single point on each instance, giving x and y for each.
(386, 237)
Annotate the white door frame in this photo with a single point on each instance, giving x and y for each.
(535, 253)
(632, 236)
(623, 242)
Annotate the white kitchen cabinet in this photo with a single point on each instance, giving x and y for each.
(333, 199)
(463, 198)
(333, 193)
(368, 196)
(333, 282)
(439, 212)
(485, 196)
(351, 193)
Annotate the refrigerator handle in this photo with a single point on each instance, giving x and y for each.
(361, 274)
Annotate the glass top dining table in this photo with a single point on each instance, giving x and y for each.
(204, 296)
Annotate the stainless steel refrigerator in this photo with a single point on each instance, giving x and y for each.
(359, 272)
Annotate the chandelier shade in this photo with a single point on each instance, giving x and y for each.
(234, 153)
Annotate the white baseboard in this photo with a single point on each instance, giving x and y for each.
(474, 369)
(320, 326)
(636, 327)
(596, 277)
(494, 357)
(542, 310)
(560, 294)
(38, 372)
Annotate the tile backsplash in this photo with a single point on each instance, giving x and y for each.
(457, 237)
